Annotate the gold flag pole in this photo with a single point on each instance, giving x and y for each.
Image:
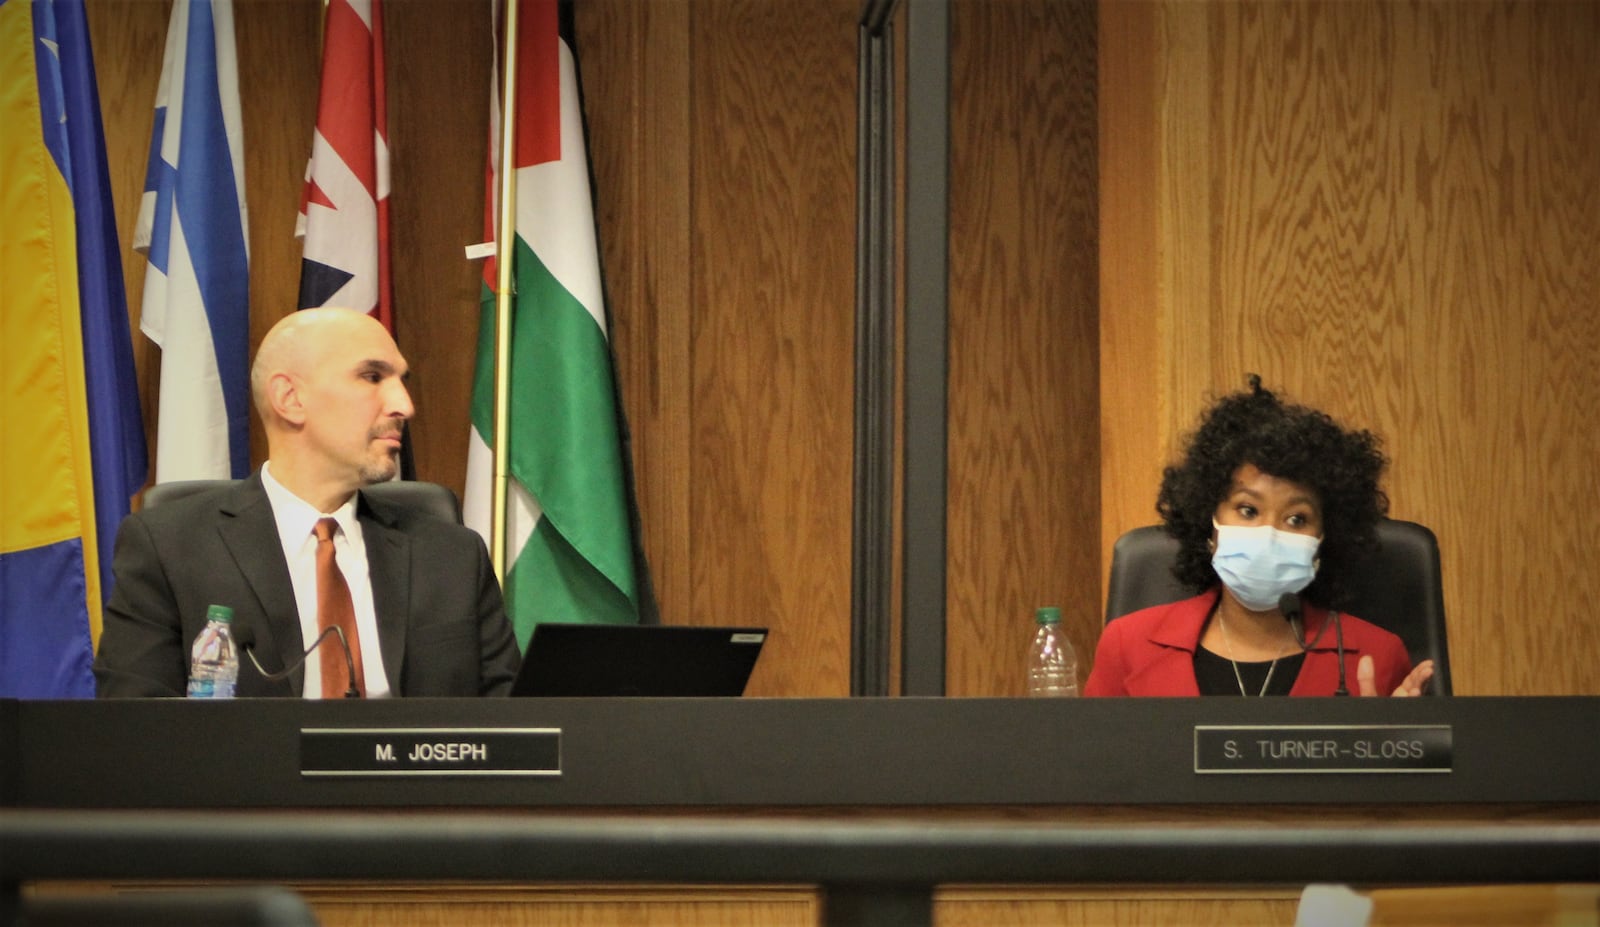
(505, 247)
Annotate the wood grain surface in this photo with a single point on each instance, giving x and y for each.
(1389, 211)
(1023, 512)
(438, 72)
(772, 315)
(636, 66)
(1122, 906)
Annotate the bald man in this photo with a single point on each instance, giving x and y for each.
(428, 619)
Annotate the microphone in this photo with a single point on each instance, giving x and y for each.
(1289, 605)
(245, 636)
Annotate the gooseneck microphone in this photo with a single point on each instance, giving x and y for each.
(245, 636)
(1289, 605)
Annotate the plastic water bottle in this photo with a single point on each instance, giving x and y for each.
(214, 661)
(1052, 666)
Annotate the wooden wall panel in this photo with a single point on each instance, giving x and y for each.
(1130, 293)
(730, 263)
(1397, 217)
(449, 905)
(772, 263)
(278, 66)
(1024, 522)
(1131, 906)
(128, 39)
(438, 72)
(446, 904)
(504, 904)
(636, 65)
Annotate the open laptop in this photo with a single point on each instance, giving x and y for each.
(632, 659)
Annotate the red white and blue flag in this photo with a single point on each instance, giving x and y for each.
(344, 209)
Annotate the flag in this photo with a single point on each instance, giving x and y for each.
(569, 548)
(73, 453)
(344, 209)
(344, 205)
(192, 227)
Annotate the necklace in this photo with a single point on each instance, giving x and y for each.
(1223, 624)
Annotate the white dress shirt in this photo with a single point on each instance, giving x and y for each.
(296, 518)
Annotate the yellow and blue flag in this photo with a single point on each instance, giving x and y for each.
(72, 449)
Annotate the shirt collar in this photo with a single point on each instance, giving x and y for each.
(1184, 622)
(296, 517)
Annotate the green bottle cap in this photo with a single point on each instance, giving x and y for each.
(1049, 614)
(220, 613)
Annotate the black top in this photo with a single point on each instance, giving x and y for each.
(1215, 674)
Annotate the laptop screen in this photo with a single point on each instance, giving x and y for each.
(638, 660)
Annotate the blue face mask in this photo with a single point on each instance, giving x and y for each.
(1260, 564)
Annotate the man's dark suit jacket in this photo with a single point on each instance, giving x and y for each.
(442, 626)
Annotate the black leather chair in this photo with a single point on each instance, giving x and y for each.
(433, 498)
(1397, 587)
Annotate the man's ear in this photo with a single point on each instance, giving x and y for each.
(284, 394)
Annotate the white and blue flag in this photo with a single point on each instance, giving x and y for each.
(192, 227)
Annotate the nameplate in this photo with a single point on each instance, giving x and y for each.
(1323, 748)
(430, 751)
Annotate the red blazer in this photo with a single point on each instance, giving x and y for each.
(1151, 652)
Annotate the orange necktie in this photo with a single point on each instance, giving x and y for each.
(334, 608)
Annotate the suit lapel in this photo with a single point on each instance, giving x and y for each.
(388, 566)
(1172, 643)
(250, 533)
(1169, 672)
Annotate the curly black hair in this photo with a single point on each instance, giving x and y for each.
(1291, 442)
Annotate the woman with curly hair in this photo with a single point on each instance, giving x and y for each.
(1269, 498)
